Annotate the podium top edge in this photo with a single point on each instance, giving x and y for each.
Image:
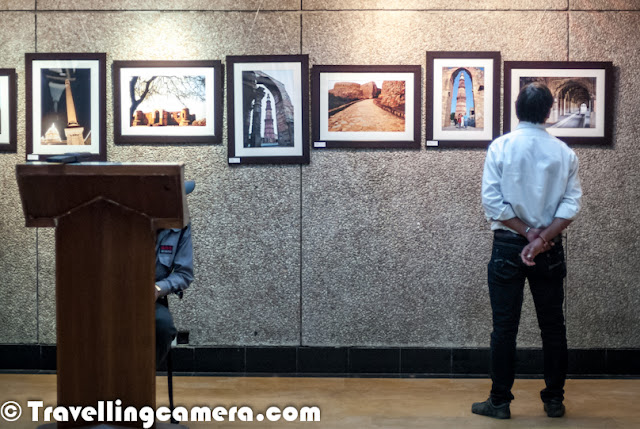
(101, 163)
(102, 168)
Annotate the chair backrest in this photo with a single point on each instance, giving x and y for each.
(164, 301)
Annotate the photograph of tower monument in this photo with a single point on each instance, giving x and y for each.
(358, 105)
(268, 108)
(463, 98)
(65, 106)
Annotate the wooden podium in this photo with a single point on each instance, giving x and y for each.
(106, 216)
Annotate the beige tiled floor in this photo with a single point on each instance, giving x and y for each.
(359, 403)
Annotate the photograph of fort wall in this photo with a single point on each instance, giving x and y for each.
(367, 107)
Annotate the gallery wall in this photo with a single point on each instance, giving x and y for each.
(374, 248)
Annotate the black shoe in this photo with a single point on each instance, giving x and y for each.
(487, 408)
(554, 408)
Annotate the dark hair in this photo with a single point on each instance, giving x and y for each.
(534, 103)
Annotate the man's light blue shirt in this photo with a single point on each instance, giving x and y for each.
(531, 175)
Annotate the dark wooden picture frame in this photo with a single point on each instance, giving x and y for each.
(8, 110)
(179, 101)
(47, 75)
(358, 106)
(480, 124)
(252, 82)
(582, 113)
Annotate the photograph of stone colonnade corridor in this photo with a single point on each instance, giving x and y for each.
(574, 100)
(367, 106)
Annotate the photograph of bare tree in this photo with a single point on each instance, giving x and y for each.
(168, 101)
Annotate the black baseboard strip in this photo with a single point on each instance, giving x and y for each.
(349, 361)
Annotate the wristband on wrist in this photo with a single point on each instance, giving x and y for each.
(546, 243)
(526, 231)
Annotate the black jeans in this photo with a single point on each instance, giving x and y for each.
(507, 274)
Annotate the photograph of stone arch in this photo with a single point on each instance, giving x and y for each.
(167, 101)
(267, 109)
(366, 106)
(581, 112)
(66, 103)
(463, 98)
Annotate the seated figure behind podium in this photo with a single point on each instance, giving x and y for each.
(174, 273)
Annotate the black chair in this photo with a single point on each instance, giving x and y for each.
(169, 361)
(170, 383)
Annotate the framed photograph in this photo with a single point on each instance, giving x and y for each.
(66, 105)
(167, 102)
(8, 110)
(463, 99)
(268, 105)
(366, 106)
(583, 92)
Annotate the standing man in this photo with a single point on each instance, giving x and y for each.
(530, 193)
(174, 273)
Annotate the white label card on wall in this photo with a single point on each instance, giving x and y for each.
(319, 144)
(432, 142)
(234, 160)
(32, 157)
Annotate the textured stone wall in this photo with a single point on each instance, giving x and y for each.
(361, 247)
